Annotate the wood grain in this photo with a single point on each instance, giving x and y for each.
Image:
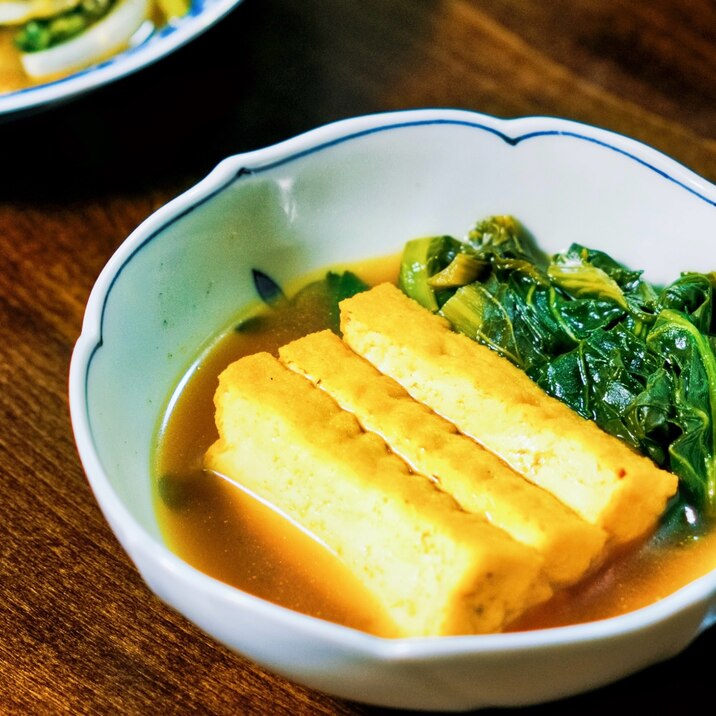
(79, 631)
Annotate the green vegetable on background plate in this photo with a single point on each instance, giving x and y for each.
(43, 33)
(636, 359)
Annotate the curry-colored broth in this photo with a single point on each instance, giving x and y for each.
(229, 534)
(223, 530)
(12, 76)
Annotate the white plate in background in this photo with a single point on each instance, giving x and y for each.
(201, 16)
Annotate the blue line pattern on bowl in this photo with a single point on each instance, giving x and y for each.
(249, 171)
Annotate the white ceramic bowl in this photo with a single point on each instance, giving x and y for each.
(355, 189)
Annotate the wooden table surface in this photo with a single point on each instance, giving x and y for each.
(79, 631)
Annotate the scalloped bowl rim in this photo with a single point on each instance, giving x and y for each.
(137, 538)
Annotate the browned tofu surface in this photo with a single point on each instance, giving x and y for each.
(435, 568)
(477, 479)
(489, 399)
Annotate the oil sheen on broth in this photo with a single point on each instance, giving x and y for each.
(232, 536)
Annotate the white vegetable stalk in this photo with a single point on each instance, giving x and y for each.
(105, 37)
(13, 12)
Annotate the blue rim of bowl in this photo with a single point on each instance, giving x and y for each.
(236, 167)
(245, 170)
(201, 16)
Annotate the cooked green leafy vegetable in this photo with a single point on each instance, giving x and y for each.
(336, 287)
(422, 259)
(637, 360)
(42, 33)
(321, 296)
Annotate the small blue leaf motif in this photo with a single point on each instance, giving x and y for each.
(269, 291)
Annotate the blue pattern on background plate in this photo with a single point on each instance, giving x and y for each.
(201, 16)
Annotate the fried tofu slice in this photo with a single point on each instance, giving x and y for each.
(435, 568)
(479, 481)
(491, 400)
